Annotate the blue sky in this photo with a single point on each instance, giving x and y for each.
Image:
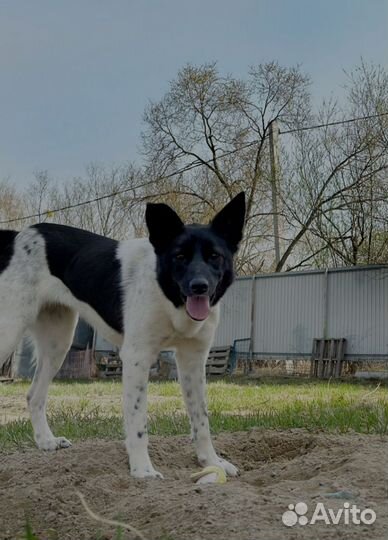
(75, 76)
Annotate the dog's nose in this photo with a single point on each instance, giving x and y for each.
(199, 286)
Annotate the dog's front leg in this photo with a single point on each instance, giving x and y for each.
(191, 362)
(137, 361)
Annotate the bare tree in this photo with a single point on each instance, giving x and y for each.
(113, 194)
(107, 200)
(11, 204)
(336, 184)
(222, 124)
(38, 196)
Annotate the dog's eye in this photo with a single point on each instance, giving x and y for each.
(215, 256)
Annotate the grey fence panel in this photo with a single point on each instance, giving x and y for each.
(358, 310)
(235, 322)
(291, 309)
(288, 313)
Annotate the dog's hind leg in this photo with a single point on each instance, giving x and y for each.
(191, 360)
(12, 328)
(53, 333)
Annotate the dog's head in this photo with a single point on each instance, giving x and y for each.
(195, 262)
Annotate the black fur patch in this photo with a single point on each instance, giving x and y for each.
(6, 248)
(87, 264)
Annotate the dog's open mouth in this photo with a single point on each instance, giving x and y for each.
(198, 307)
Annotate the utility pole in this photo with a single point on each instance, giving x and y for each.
(274, 156)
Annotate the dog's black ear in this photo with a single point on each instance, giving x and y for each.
(163, 225)
(229, 222)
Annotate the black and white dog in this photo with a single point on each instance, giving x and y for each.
(142, 295)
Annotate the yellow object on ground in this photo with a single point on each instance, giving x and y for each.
(209, 475)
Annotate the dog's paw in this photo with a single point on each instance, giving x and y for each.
(228, 467)
(54, 443)
(148, 472)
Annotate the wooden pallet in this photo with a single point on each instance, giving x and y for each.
(218, 361)
(109, 366)
(327, 358)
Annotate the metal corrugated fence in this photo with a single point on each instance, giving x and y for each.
(284, 312)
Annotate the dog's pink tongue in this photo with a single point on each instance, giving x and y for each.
(198, 307)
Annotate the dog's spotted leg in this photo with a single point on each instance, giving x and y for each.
(191, 361)
(137, 360)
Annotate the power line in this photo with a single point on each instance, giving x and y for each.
(68, 207)
(337, 123)
(194, 164)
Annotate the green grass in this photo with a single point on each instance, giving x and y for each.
(30, 535)
(83, 410)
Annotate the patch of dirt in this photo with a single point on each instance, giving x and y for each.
(278, 468)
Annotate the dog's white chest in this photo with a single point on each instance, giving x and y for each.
(185, 327)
